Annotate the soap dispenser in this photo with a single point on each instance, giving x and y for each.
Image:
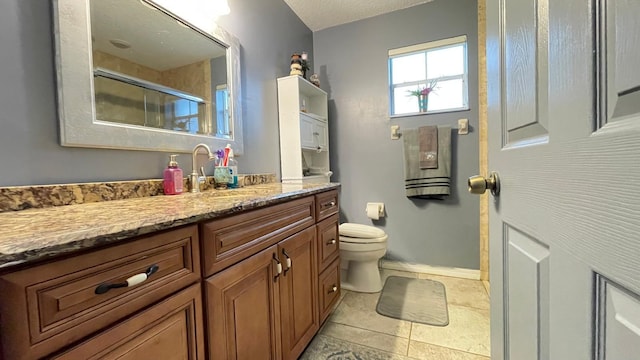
(172, 177)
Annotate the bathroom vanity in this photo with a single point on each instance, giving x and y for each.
(244, 274)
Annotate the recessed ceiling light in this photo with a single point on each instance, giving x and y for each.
(120, 44)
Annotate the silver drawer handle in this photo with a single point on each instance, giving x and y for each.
(333, 289)
(329, 204)
(332, 242)
(132, 281)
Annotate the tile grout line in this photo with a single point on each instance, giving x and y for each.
(412, 323)
(454, 349)
(371, 330)
(410, 333)
(485, 288)
(442, 346)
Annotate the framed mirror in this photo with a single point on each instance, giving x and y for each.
(137, 74)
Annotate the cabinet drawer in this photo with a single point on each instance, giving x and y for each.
(47, 307)
(171, 329)
(229, 240)
(326, 204)
(329, 289)
(328, 241)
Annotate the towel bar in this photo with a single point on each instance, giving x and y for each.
(396, 133)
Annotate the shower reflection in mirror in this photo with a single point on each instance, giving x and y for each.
(137, 84)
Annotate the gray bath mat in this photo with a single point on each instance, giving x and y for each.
(422, 301)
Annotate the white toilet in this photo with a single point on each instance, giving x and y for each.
(361, 246)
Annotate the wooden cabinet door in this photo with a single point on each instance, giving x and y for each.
(243, 309)
(171, 329)
(298, 292)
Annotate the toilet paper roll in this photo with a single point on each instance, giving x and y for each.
(375, 210)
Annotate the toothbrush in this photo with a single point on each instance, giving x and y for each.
(225, 161)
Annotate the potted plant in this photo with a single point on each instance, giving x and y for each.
(423, 94)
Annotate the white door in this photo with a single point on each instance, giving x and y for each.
(564, 136)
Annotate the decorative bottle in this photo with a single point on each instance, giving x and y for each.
(172, 177)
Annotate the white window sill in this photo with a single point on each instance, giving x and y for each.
(429, 112)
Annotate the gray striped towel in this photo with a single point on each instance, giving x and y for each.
(427, 183)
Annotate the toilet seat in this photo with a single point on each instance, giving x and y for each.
(361, 234)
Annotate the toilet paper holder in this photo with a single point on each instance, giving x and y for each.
(373, 206)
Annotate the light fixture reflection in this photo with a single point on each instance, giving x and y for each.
(203, 13)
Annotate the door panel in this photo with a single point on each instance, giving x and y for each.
(307, 139)
(619, 312)
(528, 298)
(620, 51)
(525, 62)
(568, 164)
(320, 131)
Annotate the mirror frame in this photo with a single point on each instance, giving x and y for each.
(76, 101)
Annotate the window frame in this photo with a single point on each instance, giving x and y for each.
(426, 48)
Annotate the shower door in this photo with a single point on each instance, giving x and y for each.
(564, 136)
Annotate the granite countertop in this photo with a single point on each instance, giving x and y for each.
(35, 234)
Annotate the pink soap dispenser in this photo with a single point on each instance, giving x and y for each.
(172, 177)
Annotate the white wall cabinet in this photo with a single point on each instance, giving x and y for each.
(304, 131)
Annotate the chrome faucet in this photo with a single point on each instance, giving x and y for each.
(194, 179)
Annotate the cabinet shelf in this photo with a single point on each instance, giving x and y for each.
(304, 135)
(311, 177)
(312, 115)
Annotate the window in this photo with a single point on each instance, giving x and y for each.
(186, 115)
(441, 63)
(222, 110)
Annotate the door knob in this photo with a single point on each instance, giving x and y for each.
(478, 184)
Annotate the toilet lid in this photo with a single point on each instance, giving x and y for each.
(361, 231)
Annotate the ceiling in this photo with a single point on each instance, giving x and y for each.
(144, 27)
(318, 15)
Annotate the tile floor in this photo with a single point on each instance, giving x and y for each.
(465, 338)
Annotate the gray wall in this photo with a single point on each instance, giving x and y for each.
(352, 62)
(29, 145)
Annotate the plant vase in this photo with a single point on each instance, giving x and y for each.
(423, 102)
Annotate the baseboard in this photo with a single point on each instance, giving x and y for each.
(433, 270)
